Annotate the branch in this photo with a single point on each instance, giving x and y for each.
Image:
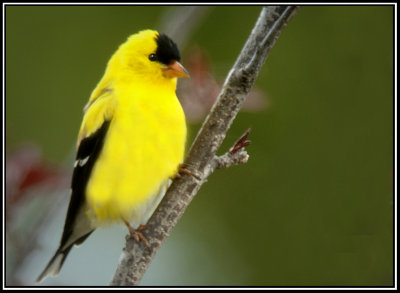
(202, 159)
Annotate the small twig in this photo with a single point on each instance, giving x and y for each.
(227, 160)
(237, 157)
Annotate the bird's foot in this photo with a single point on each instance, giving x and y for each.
(182, 170)
(137, 234)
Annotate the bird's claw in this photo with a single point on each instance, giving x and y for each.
(183, 170)
(137, 234)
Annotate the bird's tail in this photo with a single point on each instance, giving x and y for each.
(55, 264)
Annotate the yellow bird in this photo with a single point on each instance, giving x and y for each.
(130, 143)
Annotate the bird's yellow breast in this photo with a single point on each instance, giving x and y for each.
(143, 147)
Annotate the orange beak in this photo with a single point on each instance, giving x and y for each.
(175, 69)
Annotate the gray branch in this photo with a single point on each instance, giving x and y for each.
(202, 159)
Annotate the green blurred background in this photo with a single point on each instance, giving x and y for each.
(314, 204)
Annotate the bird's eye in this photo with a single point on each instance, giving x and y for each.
(152, 57)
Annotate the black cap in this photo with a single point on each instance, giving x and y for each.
(167, 51)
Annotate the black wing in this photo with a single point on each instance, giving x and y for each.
(88, 152)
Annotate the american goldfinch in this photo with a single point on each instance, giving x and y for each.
(130, 143)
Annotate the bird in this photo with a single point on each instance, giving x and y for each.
(130, 144)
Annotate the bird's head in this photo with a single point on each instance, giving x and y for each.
(149, 54)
